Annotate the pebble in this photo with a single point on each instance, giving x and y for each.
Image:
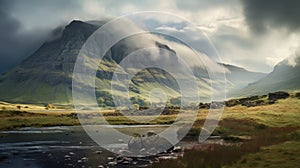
(125, 163)
(112, 163)
(177, 149)
(84, 159)
(110, 158)
(98, 152)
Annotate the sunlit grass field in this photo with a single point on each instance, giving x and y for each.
(270, 133)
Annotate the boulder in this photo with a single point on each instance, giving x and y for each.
(150, 144)
(135, 144)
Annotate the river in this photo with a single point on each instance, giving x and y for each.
(70, 146)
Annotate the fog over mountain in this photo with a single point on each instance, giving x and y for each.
(46, 76)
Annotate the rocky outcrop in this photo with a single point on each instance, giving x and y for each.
(278, 95)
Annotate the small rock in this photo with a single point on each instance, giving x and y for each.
(125, 163)
(110, 158)
(112, 163)
(168, 157)
(67, 156)
(84, 159)
(100, 166)
(127, 159)
(71, 153)
(176, 149)
(98, 152)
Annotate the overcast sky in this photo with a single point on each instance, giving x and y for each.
(254, 34)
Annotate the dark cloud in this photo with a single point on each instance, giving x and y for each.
(15, 44)
(196, 5)
(262, 15)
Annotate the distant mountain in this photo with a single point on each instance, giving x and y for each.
(46, 76)
(285, 76)
(238, 78)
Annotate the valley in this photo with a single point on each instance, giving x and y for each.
(260, 129)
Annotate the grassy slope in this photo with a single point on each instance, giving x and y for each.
(267, 125)
(284, 155)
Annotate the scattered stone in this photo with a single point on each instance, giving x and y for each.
(167, 157)
(71, 153)
(98, 152)
(176, 149)
(67, 156)
(127, 159)
(84, 159)
(125, 162)
(100, 166)
(112, 163)
(110, 158)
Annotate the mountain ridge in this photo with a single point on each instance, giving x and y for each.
(46, 76)
(284, 77)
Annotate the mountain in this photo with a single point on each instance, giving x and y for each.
(285, 76)
(238, 78)
(46, 76)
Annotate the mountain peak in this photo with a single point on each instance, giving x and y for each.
(75, 22)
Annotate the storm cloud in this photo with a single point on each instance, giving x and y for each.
(15, 44)
(234, 26)
(25, 25)
(267, 14)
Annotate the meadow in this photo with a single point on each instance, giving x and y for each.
(269, 133)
